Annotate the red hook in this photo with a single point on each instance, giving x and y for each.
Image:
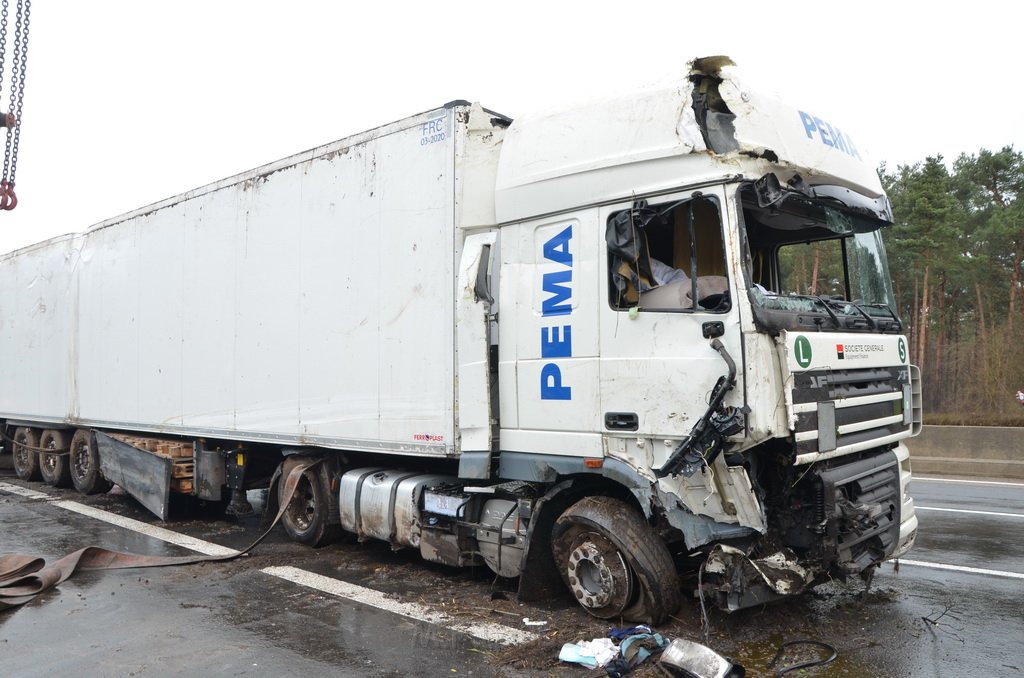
(14, 199)
(4, 197)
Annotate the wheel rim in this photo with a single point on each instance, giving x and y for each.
(302, 509)
(80, 460)
(49, 461)
(21, 454)
(598, 575)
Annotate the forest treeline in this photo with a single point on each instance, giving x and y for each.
(956, 252)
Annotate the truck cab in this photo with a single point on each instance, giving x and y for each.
(695, 307)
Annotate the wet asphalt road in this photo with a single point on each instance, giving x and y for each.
(982, 631)
(211, 619)
(234, 619)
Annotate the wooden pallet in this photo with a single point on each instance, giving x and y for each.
(182, 485)
(172, 449)
(180, 454)
(182, 468)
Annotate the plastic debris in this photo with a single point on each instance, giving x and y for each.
(619, 634)
(531, 622)
(635, 650)
(590, 653)
(638, 644)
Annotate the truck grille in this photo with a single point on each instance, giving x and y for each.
(861, 505)
(843, 411)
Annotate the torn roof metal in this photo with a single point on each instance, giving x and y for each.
(703, 127)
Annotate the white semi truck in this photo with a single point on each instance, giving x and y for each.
(588, 345)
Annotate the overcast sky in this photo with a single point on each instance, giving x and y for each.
(129, 102)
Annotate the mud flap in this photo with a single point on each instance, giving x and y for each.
(747, 581)
(273, 505)
(539, 578)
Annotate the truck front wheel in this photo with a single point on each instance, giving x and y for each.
(53, 466)
(312, 515)
(26, 457)
(614, 563)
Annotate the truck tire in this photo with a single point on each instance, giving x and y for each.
(26, 459)
(84, 464)
(54, 467)
(312, 517)
(614, 563)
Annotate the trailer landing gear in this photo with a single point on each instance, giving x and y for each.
(239, 505)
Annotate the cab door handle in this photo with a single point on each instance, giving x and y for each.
(621, 421)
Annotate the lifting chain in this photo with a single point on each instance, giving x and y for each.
(3, 41)
(12, 119)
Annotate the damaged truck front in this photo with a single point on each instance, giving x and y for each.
(750, 372)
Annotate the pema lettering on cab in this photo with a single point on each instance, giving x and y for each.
(830, 136)
(555, 337)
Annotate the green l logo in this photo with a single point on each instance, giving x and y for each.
(802, 351)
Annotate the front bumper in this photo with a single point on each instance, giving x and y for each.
(845, 520)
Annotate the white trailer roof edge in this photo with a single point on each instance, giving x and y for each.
(40, 245)
(292, 160)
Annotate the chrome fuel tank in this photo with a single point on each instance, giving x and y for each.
(384, 503)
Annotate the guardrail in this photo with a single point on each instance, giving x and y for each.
(995, 452)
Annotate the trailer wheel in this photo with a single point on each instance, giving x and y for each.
(54, 467)
(84, 464)
(26, 459)
(309, 518)
(614, 563)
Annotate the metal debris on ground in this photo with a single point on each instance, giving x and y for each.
(687, 659)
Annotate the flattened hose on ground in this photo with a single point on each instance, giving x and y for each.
(803, 665)
(22, 578)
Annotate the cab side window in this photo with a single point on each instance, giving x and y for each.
(665, 257)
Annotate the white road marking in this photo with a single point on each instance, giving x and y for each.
(962, 568)
(981, 513)
(23, 491)
(967, 482)
(176, 538)
(496, 633)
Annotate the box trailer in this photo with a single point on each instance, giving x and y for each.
(582, 345)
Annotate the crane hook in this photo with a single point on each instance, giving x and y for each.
(9, 193)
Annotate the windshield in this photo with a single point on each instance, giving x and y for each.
(817, 263)
(869, 270)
